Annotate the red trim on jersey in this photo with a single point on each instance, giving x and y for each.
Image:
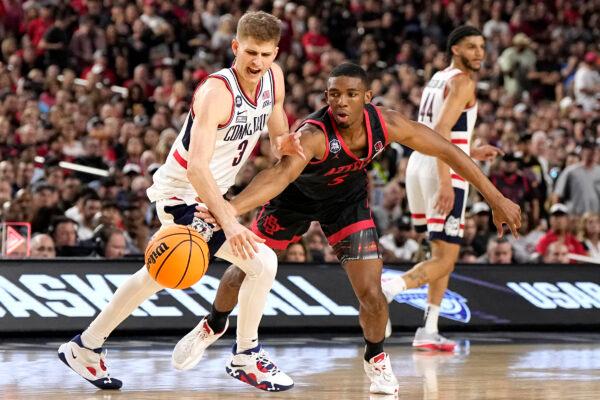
(349, 230)
(180, 159)
(232, 100)
(460, 141)
(322, 126)
(383, 125)
(436, 221)
(418, 216)
(457, 177)
(341, 139)
(256, 93)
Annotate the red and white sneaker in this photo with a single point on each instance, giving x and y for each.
(432, 341)
(255, 368)
(379, 371)
(190, 348)
(90, 364)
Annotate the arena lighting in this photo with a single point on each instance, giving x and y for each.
(76, 167)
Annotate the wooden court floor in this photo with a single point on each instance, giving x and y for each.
(491, 366)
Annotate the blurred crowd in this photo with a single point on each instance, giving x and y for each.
(106, 84)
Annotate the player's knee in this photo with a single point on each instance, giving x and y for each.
(263, 265)
(372, 299)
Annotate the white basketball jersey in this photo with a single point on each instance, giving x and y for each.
(430, 111)
(235, 140)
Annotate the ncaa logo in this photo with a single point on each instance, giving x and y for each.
(453, 306)
(238, 101)
(335, 146)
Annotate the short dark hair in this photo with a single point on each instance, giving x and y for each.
(351, 70)
(459, 34)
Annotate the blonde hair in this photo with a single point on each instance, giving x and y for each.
(259, 25)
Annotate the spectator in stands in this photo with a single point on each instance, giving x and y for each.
(556, 253)
(64, 233)
(398, 246)
(296, 253)
(559, 221)
(499, 251)
(316, 242)
(467, 256)
(91, 206)
(587, 83)
(42, 246)
(516, 62)
(480, 212)
(578, 186)
(389, 210)
(515, 185)
(590, 234)
(314, 42)
(110, 242)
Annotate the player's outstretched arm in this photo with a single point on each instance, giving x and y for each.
(424, 140)
(282, 141)
(271, 181)
(212, 105)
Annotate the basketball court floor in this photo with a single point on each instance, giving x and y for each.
(486, 366)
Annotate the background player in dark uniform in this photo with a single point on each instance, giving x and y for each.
(330, 186)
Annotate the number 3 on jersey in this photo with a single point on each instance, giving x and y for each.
(427, 110)
(242, 149)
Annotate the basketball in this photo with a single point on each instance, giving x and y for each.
(177, 257)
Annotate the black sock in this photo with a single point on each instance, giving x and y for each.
(373, 349)
(217, 319)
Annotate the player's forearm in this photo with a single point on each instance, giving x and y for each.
(264, 186)
(429, 142)
(442, 168)
(208, 192)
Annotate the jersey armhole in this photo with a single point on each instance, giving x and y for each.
(222, 78)
(321, 125)
(468, 105)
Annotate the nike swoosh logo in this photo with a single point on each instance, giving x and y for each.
(237, 366)
(73, 354)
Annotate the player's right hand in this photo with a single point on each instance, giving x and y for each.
(506, 212)
(444, 199)
(205, 215)
(243, 242)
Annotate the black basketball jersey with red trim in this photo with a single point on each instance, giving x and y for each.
(340, 175)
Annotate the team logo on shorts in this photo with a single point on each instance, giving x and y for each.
(452, 226)
(454, 306)
(271, 225)
(238, 101)
(334, 146)
(378, 146)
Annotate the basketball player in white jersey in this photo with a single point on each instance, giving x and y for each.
(228, 112)
(437, 195)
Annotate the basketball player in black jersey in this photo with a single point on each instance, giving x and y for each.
(330, 186)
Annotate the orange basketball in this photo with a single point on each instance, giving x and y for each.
(177, 257)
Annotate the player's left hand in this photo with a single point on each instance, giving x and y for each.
(486, 152)
(205, 215)
(509, 213)
(288, 144)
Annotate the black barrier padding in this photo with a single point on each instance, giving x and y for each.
(47, 297)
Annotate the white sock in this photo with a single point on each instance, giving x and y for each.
(393, 287)
(133, 292)
(260, 275)
(431, 318)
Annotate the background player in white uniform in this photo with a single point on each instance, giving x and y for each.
(437, 195)
(228, 112)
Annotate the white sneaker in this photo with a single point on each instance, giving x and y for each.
(379, 371)
(87, 363)
(255, 368)
(190, 348)
(432, 341)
